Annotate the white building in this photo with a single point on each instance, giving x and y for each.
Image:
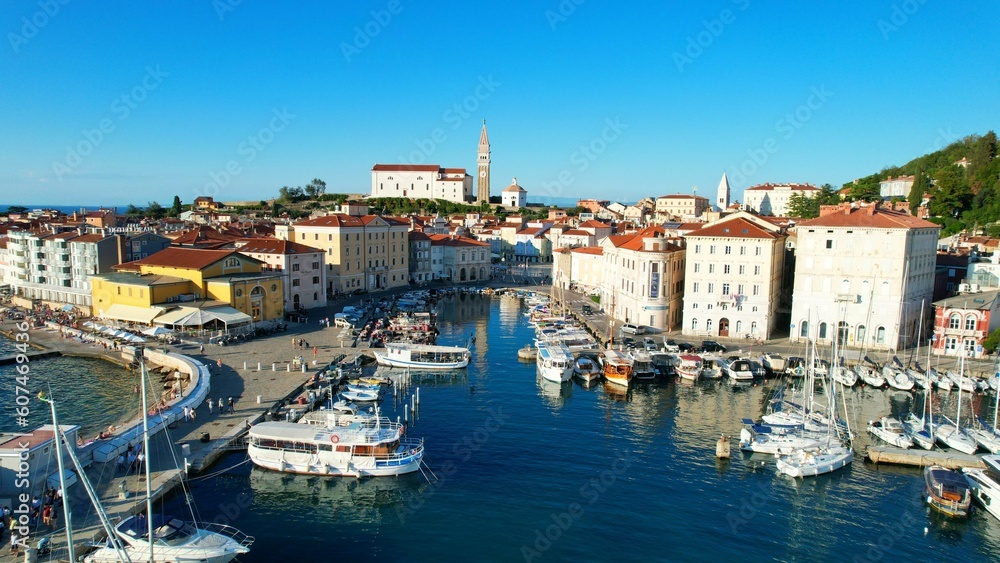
(514, 196)
(896, 187)
(303, 267)
(773, 199)
(679, 206)
(420, 257)
(462, 259)
(56, 267)
(865, 270)
(732, 279)
(643, 278)
(722, 193)
(422, 181)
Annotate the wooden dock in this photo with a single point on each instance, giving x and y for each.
(921, 458)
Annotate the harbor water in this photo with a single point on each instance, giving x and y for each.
(93, 393)
(531, 471)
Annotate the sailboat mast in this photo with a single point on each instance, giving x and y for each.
(961, 377)
(145, 451)
(62, 472)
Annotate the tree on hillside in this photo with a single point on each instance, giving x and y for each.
(801, 205)
(16, 209)
(866, 189)
(951, 194)
(828, 195)
(133, 211)
(175, 209)
(317, 187)
(917, 191)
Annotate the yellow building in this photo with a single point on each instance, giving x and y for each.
(367, 253)
(188, 278)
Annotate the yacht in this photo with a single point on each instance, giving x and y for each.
(949, 434)
(762, 439)
(642, 365)
(985, 484)
(890, 430)
(818, 460)
(586, 369)
(554, 362)
(689, 367)
(897, 378)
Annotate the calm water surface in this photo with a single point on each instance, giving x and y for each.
(530, 470)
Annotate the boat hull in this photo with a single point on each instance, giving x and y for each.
(805, 464)
(337, 463)
(390, 362)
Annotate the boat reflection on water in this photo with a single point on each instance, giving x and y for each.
(554, 394)
(617, 392)
(346, 499)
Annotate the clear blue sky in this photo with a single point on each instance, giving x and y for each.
(696, 96)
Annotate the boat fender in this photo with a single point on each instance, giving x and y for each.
(334, 438)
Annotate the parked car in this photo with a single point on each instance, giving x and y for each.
(629, 328)
(629, 342)
(588, 310)
(649, 344)
(712, 346)
(671, 346)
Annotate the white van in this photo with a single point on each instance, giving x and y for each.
(629, 328)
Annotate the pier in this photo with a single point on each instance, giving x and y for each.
(34, 355)
(921, 458)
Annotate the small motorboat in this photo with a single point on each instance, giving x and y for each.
(947, 491)
(586, 369)
(360, 395)
(890, 430)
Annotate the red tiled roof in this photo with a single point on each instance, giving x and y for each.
(768, 187)
(202, 235)
(867, 217)
(275, 246)
(576, 233)
(453, 170)
(336, 220)
(595, 224)
(596, 250)
(418, 236)
(89, 238)
(448, 240)
(179, 257)
(682, 196)
(406, 168)
(734, 228)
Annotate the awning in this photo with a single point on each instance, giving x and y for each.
(171, 317)
(132, 313)
(229, 315)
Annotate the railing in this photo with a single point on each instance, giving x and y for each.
(241, 538)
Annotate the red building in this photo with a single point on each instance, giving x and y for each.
(964, 321)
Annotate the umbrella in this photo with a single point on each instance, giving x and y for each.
(134, 338)
(110, 331)
(156, 331)
(90, 324)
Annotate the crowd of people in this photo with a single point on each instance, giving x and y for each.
(44, 512)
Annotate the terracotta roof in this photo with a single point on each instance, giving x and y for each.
(406, 168)
(596, 250)
(595, 224)
(338, 220)
(179, 257)
(576, 233)
(453, 170)
(877, 218)
(275, 246)
(418, 236)
(448, 240)
(89, 238)
(513, 188)
(682, 196)
(451, 179)
(202, 235)
(530, 231)
(734, 228)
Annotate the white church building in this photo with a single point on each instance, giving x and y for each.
(422, 181)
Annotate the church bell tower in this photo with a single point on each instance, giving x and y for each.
(484, 167)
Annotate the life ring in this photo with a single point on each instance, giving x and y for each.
(334, 438)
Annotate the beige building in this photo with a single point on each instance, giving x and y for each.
(683, 207)
(303, 267)
(369, 253)
(865, 270)
(643, 278)
(732, 282)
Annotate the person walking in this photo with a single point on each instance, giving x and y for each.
(54, 517)
(222, 408)
(201, 349)
(210, 407)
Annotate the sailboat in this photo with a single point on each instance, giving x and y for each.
(830, 455)
(950, 433)
(919, 429)
(985, 435)
(174, 539)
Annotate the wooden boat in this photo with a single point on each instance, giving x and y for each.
(947, 491)
(689, 367)
(617, 367)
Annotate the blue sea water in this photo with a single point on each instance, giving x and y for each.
(533, 471)
(91, 393)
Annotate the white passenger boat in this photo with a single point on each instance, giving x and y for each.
(740, 370)
(897, 378)
(763, 439)
(368, 446)
(617, 367)
(422, 356)
(554, 362)
(890, 430)
(985, 484)
(869, 375)
(360, 395)
(713, 367)
(949, 434)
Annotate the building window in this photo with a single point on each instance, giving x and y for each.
(742, 269)
(694, 324)
(859, 334)
(729, 249)
(295, 283)
(756, 270)
(725, 289)
(708, 325)
(725, 268)
(822, 331)
(950, 344)
(970, 322)
(697, 249)
(295, 267)
(804, 329)
(955, 321)
(711, 249)
(880, 335)
(829, 243)
(315, 279)
(694, 287)
(711, 287)
(711, 268)
(697, 267)
(756, 290)
(757, 251)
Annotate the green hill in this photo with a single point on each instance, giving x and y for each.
(962, 197)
